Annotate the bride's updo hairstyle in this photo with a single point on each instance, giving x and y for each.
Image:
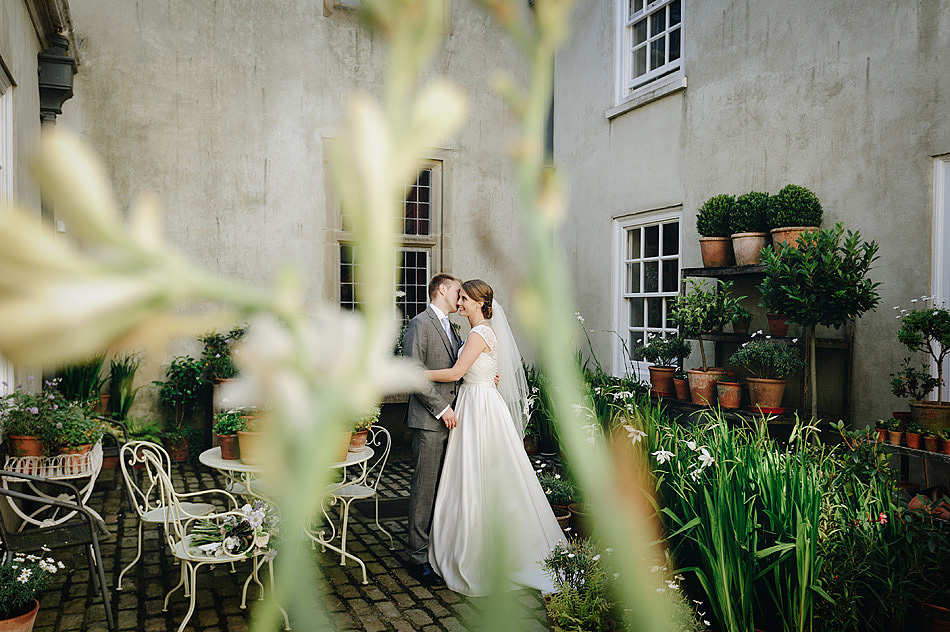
(480, 291)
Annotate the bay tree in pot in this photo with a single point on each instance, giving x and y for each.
(928, 330)
(750, 224)
(822, 282)
(796, 209)
(664, 354)
(913, 383)
(768, 364)
(712, 222)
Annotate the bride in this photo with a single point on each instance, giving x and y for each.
(491, 518)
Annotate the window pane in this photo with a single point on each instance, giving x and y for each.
(651, 241)
(651, 276)
(657, 53)
(670, 275)
(636, 312)
(412, 292)
(640, 32)
(671, 239)
(674, 37)
(657, 23)
(635, 6)
(654, 312)
(635, 335)
(633, 278)
(675, 15)
(347, 277)
(639, 62)
(633, 243)
(417, 206)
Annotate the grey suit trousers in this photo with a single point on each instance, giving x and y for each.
(428, 452)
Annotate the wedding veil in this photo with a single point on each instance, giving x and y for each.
(512, 384)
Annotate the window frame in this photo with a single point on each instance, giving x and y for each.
(7, 183)
(620, 297)
(655, 83)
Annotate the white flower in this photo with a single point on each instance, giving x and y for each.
(211, 547)
(261, 540)
(768, 337)
(578, 316)
(706, 458)
(596, 557)
(794, 340)
(662, 456)
(691, 445)
(634, 434)
(661, 590)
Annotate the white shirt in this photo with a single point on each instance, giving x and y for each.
(440, 316)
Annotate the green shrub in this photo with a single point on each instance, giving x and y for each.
(928, 330)
(122, 371)
(664, 352)
(753, 213)
(712, 219)
(216, 359)
(913, 383)
(181, 388)
(796, 206)
(767, 359)
(68, 427)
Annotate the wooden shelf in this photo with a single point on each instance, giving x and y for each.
(922, 454)
(731, 271)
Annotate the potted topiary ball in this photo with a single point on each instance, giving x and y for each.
(795, 210)
(712, 222)
(750, 224)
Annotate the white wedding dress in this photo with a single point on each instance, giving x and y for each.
(490, 508)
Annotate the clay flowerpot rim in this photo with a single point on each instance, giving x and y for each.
(715, 238)
(750, 234)
(784, 228)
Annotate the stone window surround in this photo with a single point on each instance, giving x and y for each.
(6, 182)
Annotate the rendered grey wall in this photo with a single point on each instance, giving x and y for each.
(846, 98)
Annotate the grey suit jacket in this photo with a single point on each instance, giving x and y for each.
(425, 341)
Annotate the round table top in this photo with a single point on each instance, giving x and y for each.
(212, 458)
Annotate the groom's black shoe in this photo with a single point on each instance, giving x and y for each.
(425, 574)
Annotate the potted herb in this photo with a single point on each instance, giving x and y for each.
(741, 320)
(664, 354)
(796, 210)
(560, 494)
(750, 223)
(24, 417)
(216, 357)
(913, 383)
(25, 577)
(178, 394)
(696, 312)
(881, 426)
(681, 385)
(361, 429)
(931, 439)
(226, 426)
(928, 330)
(945, 437)
(895, 430)
(69, 431)
(768, 363)
(822, 282)
(122, 370)
(712, 222)
(912, 435)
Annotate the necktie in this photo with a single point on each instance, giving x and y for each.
(448, 332)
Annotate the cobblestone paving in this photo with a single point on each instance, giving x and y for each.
(392, 600)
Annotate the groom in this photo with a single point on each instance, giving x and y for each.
(430, 339)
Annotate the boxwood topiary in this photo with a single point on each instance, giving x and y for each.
(712, 220)
(753, 213)
(796, 206)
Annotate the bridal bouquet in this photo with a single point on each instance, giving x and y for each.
(250, 532)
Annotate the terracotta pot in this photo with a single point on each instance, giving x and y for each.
(766, 393)
(25, 445)
(938, 616)
(76, 455)
(681, 386)
(230, 446)
(902, 416)
(563, 516)
(702, 385)
(716, 251)
(661, 380)
(22, 623)
(580, 520)
(730, 394)
(931, 415)
(894, 437)
(249, 443)
(778, 326)
(932, 444)
(344, 449)
(177, 451)
(102, 405)
(912, 439)
(748, 247)
(530, 445)
(358, 441)
(741, 326)
(788, 235)
(881, 435)
(946, 446)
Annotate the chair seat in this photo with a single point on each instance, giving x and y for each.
(157, 516)
(184, 551)
(355, 491)
(73, 532)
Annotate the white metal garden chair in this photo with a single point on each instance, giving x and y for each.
(381, 442)
(145, 493)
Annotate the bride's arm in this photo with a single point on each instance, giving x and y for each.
(474, 345)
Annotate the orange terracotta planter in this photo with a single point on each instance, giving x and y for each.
(912, 439)
(766, 393)
(748, 248)
(75, 455)
(729, 394)
(358, 440)
(716, 251)
(230, 447)
(789, 235)
(702, 386)
(22, 623)
(682, 389)
(661, 380)
(25, 445)
(778, 325)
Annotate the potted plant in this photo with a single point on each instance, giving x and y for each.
(795, 210)
(216, 357)
(560, 494)
(664, 354)
(822, 282)
(945, 438)
(178, 394)
(361, 429)
(122, 370)
(913, 383)
(741, 320)
(912, 435)
(21, 581)
(931, 439)
(69, 431)
(249, 437)
(712, 222)
(226, 426)
(696, 312)
(768, 363)
(881, 426)
(681, 385)
(895, 430)
(144, 429)
(26, 415)
(928, 330)
(729, 393)
(750, 223)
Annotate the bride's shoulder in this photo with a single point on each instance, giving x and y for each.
(487, 334)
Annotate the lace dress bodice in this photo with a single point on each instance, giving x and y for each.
(483, 371)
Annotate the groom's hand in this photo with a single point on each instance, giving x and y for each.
(449, 418)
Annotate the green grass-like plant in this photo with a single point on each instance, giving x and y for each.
(122, 370)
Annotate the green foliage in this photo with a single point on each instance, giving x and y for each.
(22, 580)
(767, 359)
(540, 416)
(664, 351)
(913, 427)
(823, 281)
(713, 217)
(881, 424)
(895, 425)
(216, 357)
(795, 205)
(753, 213)
(68, 427)
(181, 388)
(26, 413)
(81, 382)
(144, 429)
(913, 383)
(228, 422)
(367, 420)
(560, 492)
(122, 371)
(701, 310)
(928, 330)
(583, 600)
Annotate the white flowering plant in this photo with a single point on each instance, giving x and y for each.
(22, 580)
(251, 531)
